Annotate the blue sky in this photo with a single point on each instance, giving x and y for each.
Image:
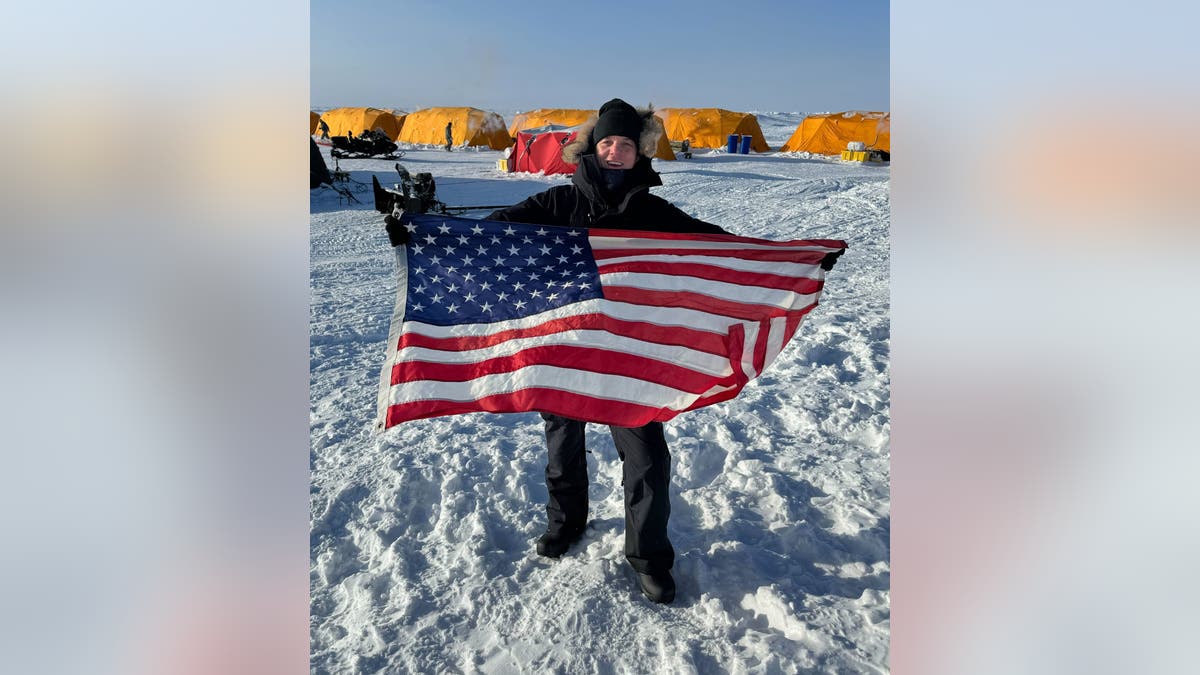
(742, 55)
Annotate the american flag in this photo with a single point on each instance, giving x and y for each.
(611, 326)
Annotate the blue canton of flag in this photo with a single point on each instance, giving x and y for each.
(463, 271)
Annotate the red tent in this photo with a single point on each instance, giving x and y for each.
(540, 149)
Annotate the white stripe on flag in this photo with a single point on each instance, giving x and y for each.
(658, 316)
(786, 269)
(596, 385)
(618, 345)
(600, 243)
(755, 295)
(669, 316)
(748, 349)
(775, 339)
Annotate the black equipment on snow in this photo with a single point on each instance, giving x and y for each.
(318, 173)
(415, 194)
(412, 194)
(367, 145)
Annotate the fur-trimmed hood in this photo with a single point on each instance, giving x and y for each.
(652, 130)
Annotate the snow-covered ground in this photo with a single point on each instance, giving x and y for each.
(422, 537)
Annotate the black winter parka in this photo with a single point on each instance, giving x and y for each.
(585, 203)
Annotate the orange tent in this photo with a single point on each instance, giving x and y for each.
(470, 126)
(567, 117)
(829, 133)
(358, 120)
(570, 117)
(710, 127)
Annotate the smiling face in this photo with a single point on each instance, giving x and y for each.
(616, 152)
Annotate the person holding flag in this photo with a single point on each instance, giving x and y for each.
(610, 190)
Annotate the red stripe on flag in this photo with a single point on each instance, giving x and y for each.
(553, 401)
(704, 341)
(563, 356)
(760, 346)
(715, 398)
(799, 257)
(704, 303)
(717, 238)
(793, 322)
(785, 283)
(737, 342)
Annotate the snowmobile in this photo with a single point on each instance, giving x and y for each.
(368, 145)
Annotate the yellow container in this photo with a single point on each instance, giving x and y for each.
(502, 165)
(854, 155)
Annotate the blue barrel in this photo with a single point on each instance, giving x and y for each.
(732, 144)
(746, 144)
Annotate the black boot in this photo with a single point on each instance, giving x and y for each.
(658, 586)
(554, 544)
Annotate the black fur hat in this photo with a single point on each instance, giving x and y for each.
(617, 118)
(621, 118)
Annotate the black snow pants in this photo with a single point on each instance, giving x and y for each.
(647, 478)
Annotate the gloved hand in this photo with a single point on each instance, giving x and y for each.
(397, 232)
(830, 259)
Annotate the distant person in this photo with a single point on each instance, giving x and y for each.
(324, 129)
(449, 135)
(686, 147)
